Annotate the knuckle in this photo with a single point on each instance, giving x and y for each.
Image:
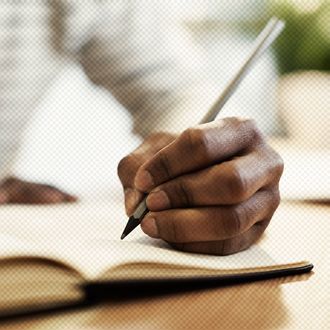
(237, 184)
(276, 163)
(248, 129)
(196, 141)
(257, 135)
(252, 130)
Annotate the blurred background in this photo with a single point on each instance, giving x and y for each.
(287, 93)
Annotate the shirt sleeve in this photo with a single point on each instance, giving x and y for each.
(142, 55)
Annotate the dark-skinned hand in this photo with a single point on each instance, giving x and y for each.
(213, 189)
(16, 191)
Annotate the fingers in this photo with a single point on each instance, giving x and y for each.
(228, 183)
(211, 223)
(227, 246)
(197, 148)
(129, 165)
(46, 194)
(213, 189)
(16, 191)
(127, 169)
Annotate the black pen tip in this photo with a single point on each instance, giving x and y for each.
(131, 225)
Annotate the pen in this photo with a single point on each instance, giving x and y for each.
(266, 37)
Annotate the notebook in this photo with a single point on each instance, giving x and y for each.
(62, 255)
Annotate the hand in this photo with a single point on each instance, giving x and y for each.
(213, 189)
(16, 191)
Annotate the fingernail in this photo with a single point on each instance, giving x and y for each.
(149, 227)
(71, 198)
(158, 200)
(131, 200)
(144, 181)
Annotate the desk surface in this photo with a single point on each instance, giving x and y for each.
(297, 302)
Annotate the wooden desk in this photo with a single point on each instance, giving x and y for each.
(299, 302)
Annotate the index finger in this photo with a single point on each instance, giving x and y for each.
(130, 164)
(197, 148)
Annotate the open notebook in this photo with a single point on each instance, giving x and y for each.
(53, 256)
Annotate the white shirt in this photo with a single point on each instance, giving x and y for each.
(132, 48)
